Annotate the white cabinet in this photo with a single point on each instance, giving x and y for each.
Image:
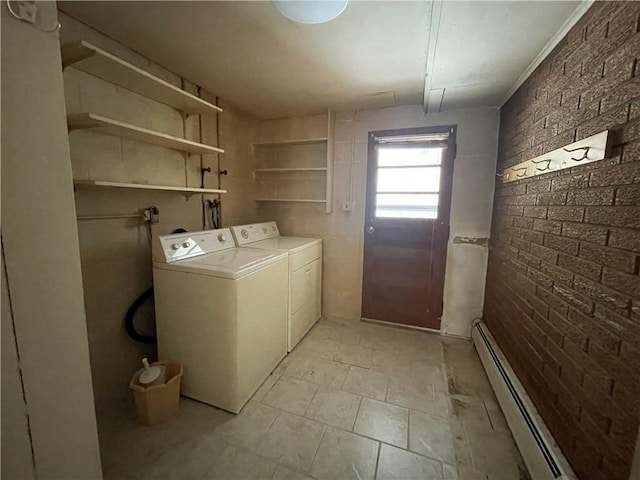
(305, 301)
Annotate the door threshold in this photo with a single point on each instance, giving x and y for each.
(400, 325)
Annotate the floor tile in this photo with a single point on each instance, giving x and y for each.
(470, 411)
(498, 422)
(290, 395)
(265, 387)
(284, 473)
(318, 348)
(295, 365)
(411, 393)
(398, 464)
(368, 383)
(238, 464)
(431, 436)
(326, 372)
(189, 460)
(461, 445)
(292, 441)
(246, 428)
(382, 421)
(334, 407)
(354, 355)
(344, 455)
(494, 453)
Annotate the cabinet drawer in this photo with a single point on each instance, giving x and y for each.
(305, 256)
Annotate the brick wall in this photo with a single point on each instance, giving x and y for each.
(563, 291)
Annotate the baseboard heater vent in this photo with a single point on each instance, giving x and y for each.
(541, 454)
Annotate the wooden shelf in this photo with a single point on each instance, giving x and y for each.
(91, 121)
(296, 169)
(300, 141)
(94, 61)
(144, 186)
(296, 200)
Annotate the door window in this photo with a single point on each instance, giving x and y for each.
(408, 181)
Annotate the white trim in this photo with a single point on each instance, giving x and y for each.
(577, 14)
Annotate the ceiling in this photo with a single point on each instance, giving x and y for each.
(376, 54)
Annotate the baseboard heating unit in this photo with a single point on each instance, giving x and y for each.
(541, 454)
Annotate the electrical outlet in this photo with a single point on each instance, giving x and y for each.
(27, 10)
(347, 206)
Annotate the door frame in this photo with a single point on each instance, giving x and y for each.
(443, 220)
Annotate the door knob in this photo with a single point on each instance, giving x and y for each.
(370, 229)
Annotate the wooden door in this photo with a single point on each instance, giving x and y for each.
(409, 180)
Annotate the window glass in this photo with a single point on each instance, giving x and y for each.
(408, 182)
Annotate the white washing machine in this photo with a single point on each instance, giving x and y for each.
(222, 312)
(305, 273)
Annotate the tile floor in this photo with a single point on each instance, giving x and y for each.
(353, 400)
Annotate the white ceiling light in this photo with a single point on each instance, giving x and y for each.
(310, 11)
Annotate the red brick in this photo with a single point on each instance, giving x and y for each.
(535, 212)
(628, 195)
(551, 198)
(623, 282)
(547, 226)
(580, 266)
(611, 119)
(579, 301)
(544, 253)
(631, 152)
(590, 233)
(598, 293)
(601, 196)
(539, 186)
(623, 174)
(570, 182)
(559, 274)
(561, 244)
(613, 258)
(625, 240)
(569, 214)
(596, 333)
(615, 216)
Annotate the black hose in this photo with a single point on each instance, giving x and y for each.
(129, 319)
(129, 323)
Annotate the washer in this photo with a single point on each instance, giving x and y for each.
(222, 312)
(305, 273)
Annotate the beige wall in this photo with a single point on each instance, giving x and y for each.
(40, 242)
(17, 459)
(116, 254)
(342, 232)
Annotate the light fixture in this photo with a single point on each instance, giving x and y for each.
(310, 11)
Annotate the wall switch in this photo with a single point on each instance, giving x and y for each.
(27, 10)
(347, 206)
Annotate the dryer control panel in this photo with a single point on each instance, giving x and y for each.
(180, 246)
(244, 234)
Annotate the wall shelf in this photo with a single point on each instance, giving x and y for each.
(288, 143)
(144, 186)
(95, 61)
(294, 200)
(295, 169)
(271, 160)
(98, 123)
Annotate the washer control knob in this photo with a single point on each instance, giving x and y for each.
(222, 238)
(264, 229)
(186, 244)
(175, 246)
(273, 229)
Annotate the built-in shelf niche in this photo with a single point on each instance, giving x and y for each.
(296, 170)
